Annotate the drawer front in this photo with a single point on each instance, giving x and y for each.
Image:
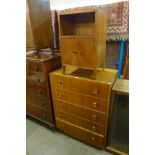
(79, 111)
(39, 101)
(94, 127)
(35, 66)
(36, 77)
(80, 86)
(79, 52)
(82, 100)
(37, 112)
(80, 134)
(36, 90)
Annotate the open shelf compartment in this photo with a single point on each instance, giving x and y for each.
(77, 24)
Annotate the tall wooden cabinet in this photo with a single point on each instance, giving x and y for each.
(81, 104)
(38, 93)
(82, 36)
(38, 24)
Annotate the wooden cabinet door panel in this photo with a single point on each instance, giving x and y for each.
(68, 48)
(78, 51)
(87, 53)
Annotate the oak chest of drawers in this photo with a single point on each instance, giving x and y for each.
(38, 95)
(81, 104)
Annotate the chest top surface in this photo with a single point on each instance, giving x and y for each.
(107, 76)
(121, 86)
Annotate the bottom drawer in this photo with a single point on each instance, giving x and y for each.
(80, 134)
(37, 112)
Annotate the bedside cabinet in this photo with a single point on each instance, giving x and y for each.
(38, 94)
(81, 104)
(82, 36)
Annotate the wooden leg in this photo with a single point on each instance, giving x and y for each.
(63, 69)
(95, 73)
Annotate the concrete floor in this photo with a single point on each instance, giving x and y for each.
(42, 141)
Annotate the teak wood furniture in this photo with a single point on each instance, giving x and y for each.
(38, 94)
(118, 128)
(81, 104)
(38, 24)
(82, 36)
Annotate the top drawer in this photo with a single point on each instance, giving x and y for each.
(34, 66)
(78, 85)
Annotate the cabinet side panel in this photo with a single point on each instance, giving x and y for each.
(101, 33)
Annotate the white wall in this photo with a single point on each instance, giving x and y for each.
(63, 4)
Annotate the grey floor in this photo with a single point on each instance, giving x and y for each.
(42, 141)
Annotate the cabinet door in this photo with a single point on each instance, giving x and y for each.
(68, 49)
(78, 51)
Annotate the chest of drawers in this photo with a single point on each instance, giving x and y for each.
(81, 104)
(38, 94)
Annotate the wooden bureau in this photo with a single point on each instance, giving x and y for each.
(81, 104)
(38, 94)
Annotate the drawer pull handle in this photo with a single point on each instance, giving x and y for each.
(93, 139)
(59, 83)
(60, 95)
(40, 91)
(76, 52)
(38, 80)
(95, 91)
(94, 128)
(61, 106)
(94, 117)
(94, 104)
(44, 115)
